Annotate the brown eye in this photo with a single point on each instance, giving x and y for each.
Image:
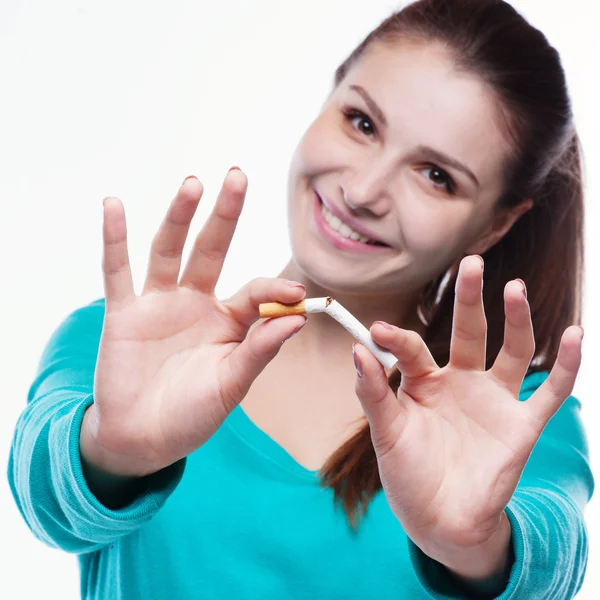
(363, 123)
(440, 178)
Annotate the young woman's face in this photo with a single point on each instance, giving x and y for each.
(369, 156)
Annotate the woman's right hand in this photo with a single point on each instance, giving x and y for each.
(175, 361)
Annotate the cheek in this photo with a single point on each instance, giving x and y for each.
(320, 149)
(433, 230)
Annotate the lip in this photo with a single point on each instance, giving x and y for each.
(348, 220)
(337, 239)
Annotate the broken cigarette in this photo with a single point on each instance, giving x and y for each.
(334, 309)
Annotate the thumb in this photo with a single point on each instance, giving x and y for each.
(385, 413)
(247, 361)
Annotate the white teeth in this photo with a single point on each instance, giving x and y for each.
(345, 230)
(342, 228)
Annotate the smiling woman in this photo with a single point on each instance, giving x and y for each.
(503, 160)
(182, 450)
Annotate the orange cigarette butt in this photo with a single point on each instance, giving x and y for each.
(277, 309)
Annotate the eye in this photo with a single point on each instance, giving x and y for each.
(364, 124)
(439, 177)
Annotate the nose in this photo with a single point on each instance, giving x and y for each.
(367, 190)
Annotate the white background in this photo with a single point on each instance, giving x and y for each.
(127, 99)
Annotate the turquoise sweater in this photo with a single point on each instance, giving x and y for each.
(240, 518)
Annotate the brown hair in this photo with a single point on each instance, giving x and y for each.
(544, 247)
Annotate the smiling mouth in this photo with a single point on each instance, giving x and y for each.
(345, 230)
(343, 237)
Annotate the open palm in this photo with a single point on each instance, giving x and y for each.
(452, 444)
(174, 361)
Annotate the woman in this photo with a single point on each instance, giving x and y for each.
(174, 443)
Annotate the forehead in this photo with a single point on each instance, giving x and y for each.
(428, 101)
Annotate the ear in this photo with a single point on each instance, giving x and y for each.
(499, 227)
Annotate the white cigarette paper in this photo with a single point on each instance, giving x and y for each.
(345, 318)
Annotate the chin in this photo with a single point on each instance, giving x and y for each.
(332, 273)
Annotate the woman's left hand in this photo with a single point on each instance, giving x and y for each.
(453, 443)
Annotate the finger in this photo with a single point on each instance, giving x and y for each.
(212, 243)
(116, 270)
(514, 358)
(249, 359)
(244, 305)
(559, 384)
(414, 357)
(169, 241)
(469, 327)
(384, 411)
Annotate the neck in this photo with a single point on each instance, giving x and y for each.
(323, 338)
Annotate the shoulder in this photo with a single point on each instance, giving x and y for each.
(81, 326)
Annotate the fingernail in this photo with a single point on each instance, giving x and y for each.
(524, 288)
(481, 259)
(189, 177)
(296, 284)
(582, 331)
(234, 169)
(295, 331)
(383, 324)
(357, 362)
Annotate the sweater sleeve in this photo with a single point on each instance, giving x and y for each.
(44, 468)
(549, 536)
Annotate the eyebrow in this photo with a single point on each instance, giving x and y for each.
(431, 153)
(373, 106)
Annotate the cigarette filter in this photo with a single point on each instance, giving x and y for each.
(334, 309)
(308, 305)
